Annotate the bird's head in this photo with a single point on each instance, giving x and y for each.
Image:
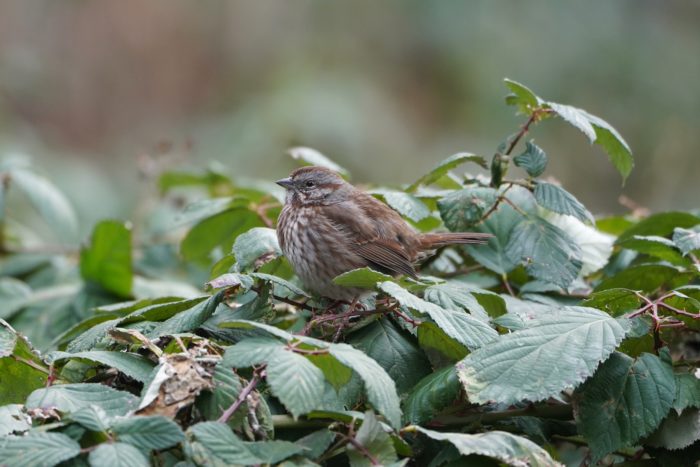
(315, 185)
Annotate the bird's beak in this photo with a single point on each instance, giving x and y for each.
(285, 182)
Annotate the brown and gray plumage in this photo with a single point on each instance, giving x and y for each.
(329, 227)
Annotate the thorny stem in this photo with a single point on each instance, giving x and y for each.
(258, 374)
(536, 114)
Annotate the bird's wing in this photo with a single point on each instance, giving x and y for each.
(376, 233)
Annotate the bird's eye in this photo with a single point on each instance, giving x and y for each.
(309, 184)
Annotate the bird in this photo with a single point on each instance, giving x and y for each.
(328, 227)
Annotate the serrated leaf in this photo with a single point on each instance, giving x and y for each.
(91, 417)
(272, 452)
(281, 282)
(295, 381)
(558, 350)
(431, 395)
(558, 200)
(459, 325)
(107, 260)
(503, 446)
(251, 351)
(117, 455)
(662, 225)
(380, 388)
(156, 432)
(215, 443)
(335, 373)
(375, 441)
(687, 240)
(445, 166)
(37, 450)
(453, 296)
(226, 388)
(658, 247)
(546, 251)
(677, 431)
(600, 132)
(13, 419)
(217, 232)
(405, 204)
(253, 245)
(133, 365)
(432, 338)
(687, 392)
(626, 399)
(8, 339)
(17, 377)
(364, 278)
(309, 156)
(462, 209)
(51, 203)
(533, 159)
(189, 320)
(501, 223)
(394, 350)
(72, 397)
(645, 278)
(523, 98)
(615, 302)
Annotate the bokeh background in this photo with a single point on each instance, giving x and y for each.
(95, 91)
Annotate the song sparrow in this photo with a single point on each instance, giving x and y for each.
(328, 227)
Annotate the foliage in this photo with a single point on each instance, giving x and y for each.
(558, 342)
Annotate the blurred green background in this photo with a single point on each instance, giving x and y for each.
(101, 93)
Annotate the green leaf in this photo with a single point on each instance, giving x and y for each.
(405, 204)
(615, 302)
(133, 365)
(546, 251)
(658, 247)
(431, 395)
(394, 350)
(432, 338)
(687, 392)
(645, 278)
(335, 372)
(117, 455)
(364, 278)
(295, 381)
(52, 205)
(522, 97)
(505, 447)
(230, 280)
(380, 388)
(279, 281)
(14, 295)
(375, 441)
(316, 443)
(600, 132)
(624, 400)
(272, 452)
(189, 320)
(662, 225)
(687, 240)
(13, 420)
(254, 245)
(37, 450)
(558, 200)
(217, 232)
(501, 223)
(462, 209)
(91, 417)
(453, 296)
(107, 261)
(72, 397)
(533, 159)
(309, 156)
(226, 388)
(214, 443)
(557, 350)
(148, 433)
(17, 378)
(445, 166)
(677, 431)
(251, 351)
(459, 325)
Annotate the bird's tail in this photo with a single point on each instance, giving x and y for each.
(430, 241)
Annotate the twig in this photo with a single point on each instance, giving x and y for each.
(258, 374)
(504, 277)
(525, 128)
(363, 450)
